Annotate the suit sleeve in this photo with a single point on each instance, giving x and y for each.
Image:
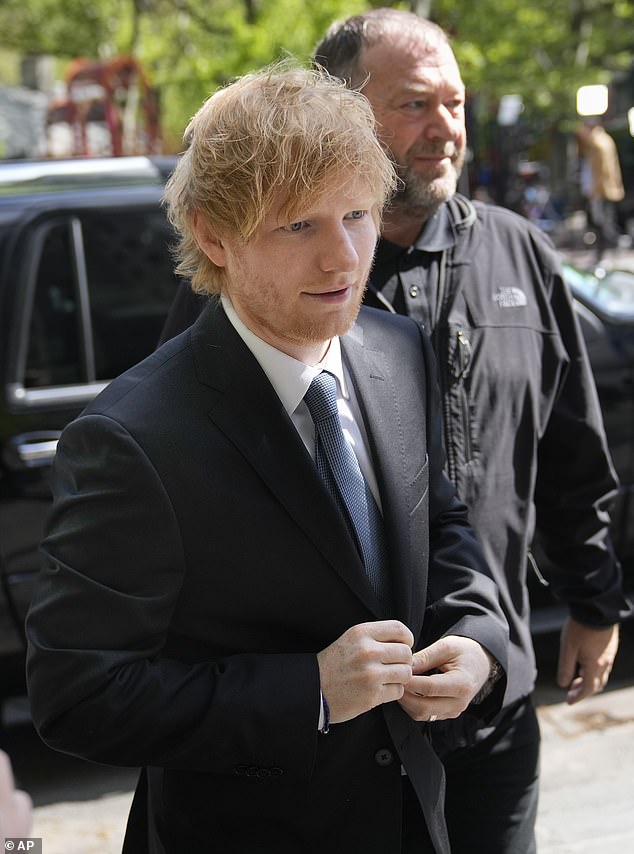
(576, 485)
(100, 685)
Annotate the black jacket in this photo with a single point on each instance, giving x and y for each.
(525, 443)
(195, 563)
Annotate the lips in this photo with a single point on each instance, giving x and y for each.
(333, 294)
(436, 155)
(432, 159)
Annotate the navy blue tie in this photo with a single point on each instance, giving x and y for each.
(338, 466)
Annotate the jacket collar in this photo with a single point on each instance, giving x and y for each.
(439, 233)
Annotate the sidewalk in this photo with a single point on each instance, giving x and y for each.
(587, 786)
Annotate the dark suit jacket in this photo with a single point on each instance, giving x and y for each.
(194, 566)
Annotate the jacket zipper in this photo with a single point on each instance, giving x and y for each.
(462, 366)
(441, 346)
(458, 368)
(536, 570)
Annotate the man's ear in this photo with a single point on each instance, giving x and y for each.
(209, 242)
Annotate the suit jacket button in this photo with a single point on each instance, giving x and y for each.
(384, 757)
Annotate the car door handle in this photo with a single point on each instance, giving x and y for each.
(31, 450)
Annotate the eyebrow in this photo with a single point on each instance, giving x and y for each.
(422, 90)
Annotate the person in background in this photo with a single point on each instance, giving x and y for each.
(16, 806)
(603, 186)
(525, 442)
(251, 589)
(523, 431)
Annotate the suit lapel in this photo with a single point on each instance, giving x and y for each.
(245, 407)
(394, 424)
(389, 433)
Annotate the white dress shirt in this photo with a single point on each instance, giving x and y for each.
(291, 378)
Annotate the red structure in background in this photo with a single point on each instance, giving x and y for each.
(114, 95)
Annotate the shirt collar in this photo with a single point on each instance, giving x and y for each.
(438, 233)
(289, 377)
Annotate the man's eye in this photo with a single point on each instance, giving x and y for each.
(356, 214)
(295, 226)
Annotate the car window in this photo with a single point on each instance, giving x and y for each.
(53, 356)
(130, 282)
(611, 293)
(131, 285)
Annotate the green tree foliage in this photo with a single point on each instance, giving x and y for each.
(542, 50)
(232, 38)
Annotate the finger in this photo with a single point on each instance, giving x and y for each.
(582, 686)
(603, 680)
(425, 709)
(575, 691)
(390, 631)
(587, 683)
(567, 667)
(446, 653)
(396, 674)
(448, 686)
(432, 656)
(396, 653)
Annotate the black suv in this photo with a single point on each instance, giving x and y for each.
(85, 285)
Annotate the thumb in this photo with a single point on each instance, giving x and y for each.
(430, 657)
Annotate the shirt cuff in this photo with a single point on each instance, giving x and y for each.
(324, 716)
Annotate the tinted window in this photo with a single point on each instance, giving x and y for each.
(612, 293)
(130, 289)
(131, 285)
(53, 350)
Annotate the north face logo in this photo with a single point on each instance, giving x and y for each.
(510, 297)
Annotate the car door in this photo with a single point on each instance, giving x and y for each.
(91, 284)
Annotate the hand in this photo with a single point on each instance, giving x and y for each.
(368, 665)
(586, 656)
(458, 669)
(15, 805)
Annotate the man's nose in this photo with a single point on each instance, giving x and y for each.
(338, 252)
(443, 125)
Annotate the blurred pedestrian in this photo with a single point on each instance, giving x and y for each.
(16, 807)
(602, 183)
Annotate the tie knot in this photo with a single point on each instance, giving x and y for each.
(321, 397)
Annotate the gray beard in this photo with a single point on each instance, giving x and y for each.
(423, 198)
